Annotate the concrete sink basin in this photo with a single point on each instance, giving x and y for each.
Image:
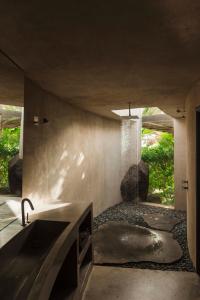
(22, 257)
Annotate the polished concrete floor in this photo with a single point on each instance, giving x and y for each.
(113, 283)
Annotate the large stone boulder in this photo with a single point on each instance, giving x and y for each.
(15, 175)
(135, 183)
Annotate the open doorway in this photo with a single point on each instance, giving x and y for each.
(198, 190)
(157, 138)
(11, 127)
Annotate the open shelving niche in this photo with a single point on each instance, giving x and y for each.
(74, 273)
(85, 258)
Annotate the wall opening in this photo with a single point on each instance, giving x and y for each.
(11, 149)
(147, 155)
(198, 190)
(157, 137)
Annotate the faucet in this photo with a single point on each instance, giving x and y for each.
(23, 212)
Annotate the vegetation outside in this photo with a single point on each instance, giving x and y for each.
(9, 146)
(158, 152)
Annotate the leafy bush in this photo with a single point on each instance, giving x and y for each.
(9, 146)
(160, 158)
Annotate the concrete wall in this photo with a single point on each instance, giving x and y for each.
(192, 101)
(180, 163)
(74, 157)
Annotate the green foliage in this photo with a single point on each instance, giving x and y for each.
(9, 146)
(146, 131)
(150, 111)
(160, 158)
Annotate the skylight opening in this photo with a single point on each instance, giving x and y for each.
(123, 112)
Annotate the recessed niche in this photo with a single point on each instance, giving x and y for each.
(67, 279)
(85, 267)
(85, 231)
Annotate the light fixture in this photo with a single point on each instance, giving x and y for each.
(182, 112)
(36, 120)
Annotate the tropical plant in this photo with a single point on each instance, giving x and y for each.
(150, 111)
(160, 158)
(9, 146)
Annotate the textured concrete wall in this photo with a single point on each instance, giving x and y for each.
(180, 163)
(192, 101)
(74, 157)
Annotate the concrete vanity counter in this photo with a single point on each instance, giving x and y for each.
(72, 213)
(66, 267)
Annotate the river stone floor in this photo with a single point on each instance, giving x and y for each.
(133, 214)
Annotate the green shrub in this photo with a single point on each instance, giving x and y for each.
(9, 146)
(160, 158)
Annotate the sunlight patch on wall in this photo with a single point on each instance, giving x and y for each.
(56, 191)
(80, 159)
(63, 172)
(64, 155)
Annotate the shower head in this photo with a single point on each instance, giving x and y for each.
(130, 117)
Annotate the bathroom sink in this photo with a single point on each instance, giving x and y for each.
(22, 257)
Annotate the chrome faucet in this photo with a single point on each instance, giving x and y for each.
(23, 212)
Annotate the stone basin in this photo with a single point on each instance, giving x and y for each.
(22, 257)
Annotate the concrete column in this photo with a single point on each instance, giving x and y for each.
(180, 163)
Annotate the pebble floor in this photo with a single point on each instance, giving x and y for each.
(133, 214)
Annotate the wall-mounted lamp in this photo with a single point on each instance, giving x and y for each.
(179, 111)
(36, 120)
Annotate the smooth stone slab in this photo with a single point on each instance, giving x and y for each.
(161, 222)
(6, 216)
(9, 232)
(119, 243)
(5, 223)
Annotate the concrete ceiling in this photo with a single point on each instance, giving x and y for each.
(160, 122)
(100, 55)
(11, 83)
